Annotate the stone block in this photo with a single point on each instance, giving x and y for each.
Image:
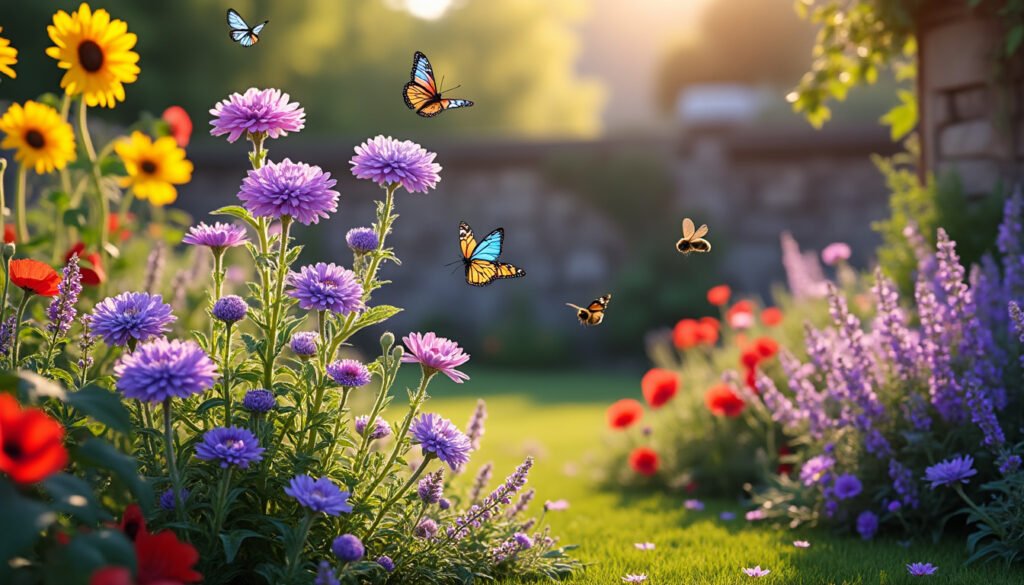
(972, 103)
(958, 54)
(977, 138)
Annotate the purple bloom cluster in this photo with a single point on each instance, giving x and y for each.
(319, 495)
(218, 236)
(483, 477)
(362, 240)
(386, 563)
(259, 112)
(848, 486)
(348, 548)
(160, 370)
(426, 529)
(230, 446)
(349, 373)
(259, 401)
(297, 190)
(131, 315)
(475, 426)
(816, 470)
(303, 343)
(326, 287)
(387, 161)
(479, 514)
(921, 569)
(511, 547)
(230, 309)
(325, 575)
(867, 524)
(381, 428)
(522, 503)
(435, 354)
(167, 499)
(431, 488)
(62, 308)
(440, 437)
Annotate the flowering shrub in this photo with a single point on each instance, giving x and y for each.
(914, 422)
(224, 439)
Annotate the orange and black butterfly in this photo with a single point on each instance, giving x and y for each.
(592, 314)
(481, 260)
(421, 93)
(693, 240)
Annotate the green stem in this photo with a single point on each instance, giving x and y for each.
(16, 345)
(172, 467)
(981, 513)
(282, 271)
(226, 380)
(387, 379)
(384, 222)
(3, 202)
(337, 426)
(398, 495)
(220, 508)
(296, 547)
(19, 204)
(83, 129)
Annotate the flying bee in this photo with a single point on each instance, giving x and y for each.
(693, 240)
(593, 313)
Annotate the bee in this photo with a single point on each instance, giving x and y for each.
(693, 240)
(593, 314)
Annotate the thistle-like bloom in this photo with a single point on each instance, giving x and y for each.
(230, 446)
(756, 572)
(326, 287)
(62, 310)
(320, 495)
(259, 111)
(131, 315)
(475, 427)
(426, 529)
(387, 161)
(381, 428)
(348, 548)
(921, 569)
(41, 139)
(297, 190)
(303, 343)
(325, 575)
(435, 354)
(431, 488)
(230, 309)
(848, 486)
(439, 436)
(386, 563)
(162, 369)
(167, 500)
(259, 401)
(362, 240)
(951, 471)
(349, 373)
(218, 236)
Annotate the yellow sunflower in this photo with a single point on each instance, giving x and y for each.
(97, 53)
(153, 167)
(40, 137)
(8, 57)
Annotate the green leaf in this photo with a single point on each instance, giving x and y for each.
(23, 521)
(208, 404)
(1013, 39)
(102, 405)
(87, 552)
(232, 541)
(74, 218)
(902, 119)
(375, 315)
(236, 211)
(74, 496)
(100, 453)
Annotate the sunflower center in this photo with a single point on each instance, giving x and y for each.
(90, 56)
(148, 167)
(35, 139)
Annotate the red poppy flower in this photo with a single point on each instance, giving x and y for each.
(659, 386)
(707, 333)
(160, 558)
(771, 316)
(766, 347)
(711, 323)
(751, 380)
(35, 277)
(644, 461)
(784, 468)
(10, 235)
(750, 358)
(111, 576)
(721, 400)
(31, 443)
(719, 295)
(180, 124)
(117, 232)
(89, 264)
(624, 413)
(740, 315)
(685, 334)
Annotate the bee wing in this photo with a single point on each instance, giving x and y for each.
(701, 231)
(687, 228)
(700, 245)
(578, 308)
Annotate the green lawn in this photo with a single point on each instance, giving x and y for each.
(559, 418)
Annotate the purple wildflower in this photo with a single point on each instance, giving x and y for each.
(389, 162)
(349, 373)
(325, 575)
(951, 471)
(431, 488)
(7, 335)
(303, 344)
(218, 236)
(131, 315)
(444, 503)
(362, 240)
(525, 542)
(848, 486)
(803, 272)
(502, 495)
(867, 524)
(167, 500)
(521, 505)
(483, 477)
(230, 446)
(386, 563)
(727, 516)
(230, 309)
(921, 569)
(835, 253)
(257, 112)
(426, 529)
(694, 505)
(302, 192)
(62, 308)
(439, 436)
(259, 401)
(348, 548)
(816, 469)
(326, 287)
(319, 495)
(756, 572)
(1010, 464)
(903, 483)
(475, 426)
(381, 428)
(160, 370)
(435, 354)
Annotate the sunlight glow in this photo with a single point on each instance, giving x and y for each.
(427, 9)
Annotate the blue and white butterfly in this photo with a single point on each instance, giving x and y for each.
(241, 32)
(481, 260)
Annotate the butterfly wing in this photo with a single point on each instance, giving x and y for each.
(489, 248)
(422, 73)
(256, 30)
(687, 228)
(451, 104)
(430, 108)
(249, 39)
(467, 242)
(235, 21)
(239, 35)
(505, 270)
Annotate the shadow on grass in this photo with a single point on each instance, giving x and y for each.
(542, 386)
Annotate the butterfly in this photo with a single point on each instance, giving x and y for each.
(593, 314)
(242, 33)
(481, 259)
(693, 240)
(421, 93)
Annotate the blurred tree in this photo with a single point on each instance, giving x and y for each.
(740, 41)
(345, 60)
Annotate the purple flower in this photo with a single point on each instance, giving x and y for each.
(349, 373)
(727, 516)
(439, 436)
(325, 575)
(386, 563)
(755, 515)
(756, 572)
(524, 541)
(259, 111)
(167, 500)
(694, 505)
(483, 477)
(297, 190)
(348, 548)
(427, 528)
(160, 370)
(326, 287)
(319, 495)
(444, 503)
(431, 488)
(951, 471)
(230, 446)
(847, 486)
(1010, 464)
(218, 236)
(475, 426)
(62, 310)
(815, 469)
(381, 428)
(478, 514)
(303, 344)
(259, 401)
(387, 161)
(230, 309)
(362, 240)
(921, 569)
(634, 578)
(867, 524)
(801, 544)
(835, 253)
(435, 354)
(131, 315)
(521, 504)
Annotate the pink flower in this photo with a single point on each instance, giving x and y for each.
(756, 572)
(801, 544)
(435, 354)
(835, 253)
(644, 545)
